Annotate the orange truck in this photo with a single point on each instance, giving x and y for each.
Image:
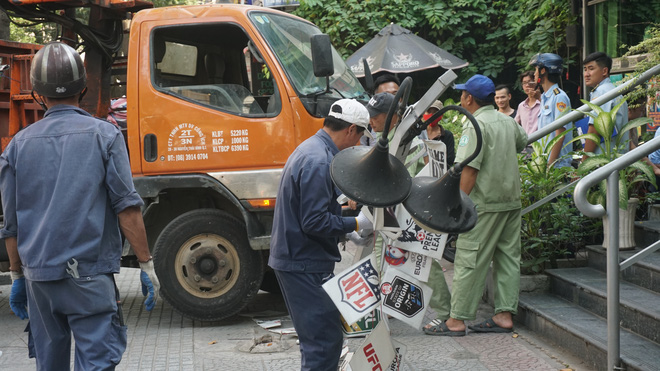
(218, 96)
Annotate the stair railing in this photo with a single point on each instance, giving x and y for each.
(611, 173)
(578, 114)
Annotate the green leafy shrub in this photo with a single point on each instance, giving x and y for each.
(613, 147)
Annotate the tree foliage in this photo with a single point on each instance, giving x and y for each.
(493, 35)
(650, 47)
(40, 33)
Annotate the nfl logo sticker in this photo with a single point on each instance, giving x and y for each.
(355, 291)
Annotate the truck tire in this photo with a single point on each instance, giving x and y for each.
(205, 265)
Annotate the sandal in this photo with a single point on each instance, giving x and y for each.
(439, 328)
(489, 326)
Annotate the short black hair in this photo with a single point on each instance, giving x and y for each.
(529, 74)
(335, 124)
(490, 100)
(503, 86)
(601, 59)
(554, 78)
(388, 77)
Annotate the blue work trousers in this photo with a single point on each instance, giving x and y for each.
(88, 308)
(315, 318)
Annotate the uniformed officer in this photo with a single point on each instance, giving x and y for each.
(66, 192)
(597, 67)
(554, 104)
(492, 181)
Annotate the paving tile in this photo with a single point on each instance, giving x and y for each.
(165, 340)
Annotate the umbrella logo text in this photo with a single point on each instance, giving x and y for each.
(404, 61)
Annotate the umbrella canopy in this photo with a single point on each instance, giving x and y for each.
(397, 50)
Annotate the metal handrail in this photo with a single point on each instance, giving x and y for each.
(549, 197)
(611, 173)
(580, 112)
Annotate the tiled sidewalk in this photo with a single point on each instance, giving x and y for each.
(164, 340)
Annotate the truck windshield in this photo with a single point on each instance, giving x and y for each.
(289, 39)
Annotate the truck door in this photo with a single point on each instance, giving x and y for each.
(209, 102)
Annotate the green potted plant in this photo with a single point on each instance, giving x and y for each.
(612, 147)
(555, 230)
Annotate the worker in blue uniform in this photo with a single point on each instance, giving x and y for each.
(67, 191)
(306, 227)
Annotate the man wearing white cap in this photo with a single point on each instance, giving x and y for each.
(306, 227)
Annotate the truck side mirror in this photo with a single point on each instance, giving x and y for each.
(322, 55)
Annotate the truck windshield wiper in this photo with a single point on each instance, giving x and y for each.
(322, 92)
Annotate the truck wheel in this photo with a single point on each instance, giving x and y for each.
(205, 265)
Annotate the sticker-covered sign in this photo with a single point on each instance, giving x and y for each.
(405, 297)
(437, 152)
(414, 238)
(363, 326)
(376, 353)
(412, 263)
(355, 290)
(399, 353)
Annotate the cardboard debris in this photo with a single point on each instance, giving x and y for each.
(376, 352)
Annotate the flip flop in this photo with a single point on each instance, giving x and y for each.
(439, 328)
(489, 326)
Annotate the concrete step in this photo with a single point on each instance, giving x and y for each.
(645, 273)
(647, 232)
(639, 308)
(583, 333)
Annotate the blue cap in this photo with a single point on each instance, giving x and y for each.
(479, 86)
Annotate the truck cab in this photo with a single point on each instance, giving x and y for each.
(218, 96)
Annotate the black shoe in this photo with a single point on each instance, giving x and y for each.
(449, 252)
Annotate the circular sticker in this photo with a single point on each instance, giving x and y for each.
(386, 288)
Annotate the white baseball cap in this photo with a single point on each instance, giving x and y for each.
(351, 111)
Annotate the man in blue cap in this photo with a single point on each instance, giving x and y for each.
(492, 181)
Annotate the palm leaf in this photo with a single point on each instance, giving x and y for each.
(641, 121)
(590, 136)
(595, 108)
(616, 109)
(623, 193)
(591, 163)
(604, 125)
(646, 170)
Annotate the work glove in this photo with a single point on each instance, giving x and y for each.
(18, 295)
(357, 239)
(364, 225)
(150, 284)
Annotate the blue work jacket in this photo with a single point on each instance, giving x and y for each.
(63, 181)
(307, 220)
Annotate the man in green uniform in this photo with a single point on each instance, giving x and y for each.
(492, 181)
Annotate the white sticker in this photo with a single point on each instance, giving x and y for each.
(186, 142)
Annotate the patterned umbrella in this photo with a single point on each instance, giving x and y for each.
(397, 50)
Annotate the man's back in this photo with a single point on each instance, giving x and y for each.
(498, 183)
(68, 171)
